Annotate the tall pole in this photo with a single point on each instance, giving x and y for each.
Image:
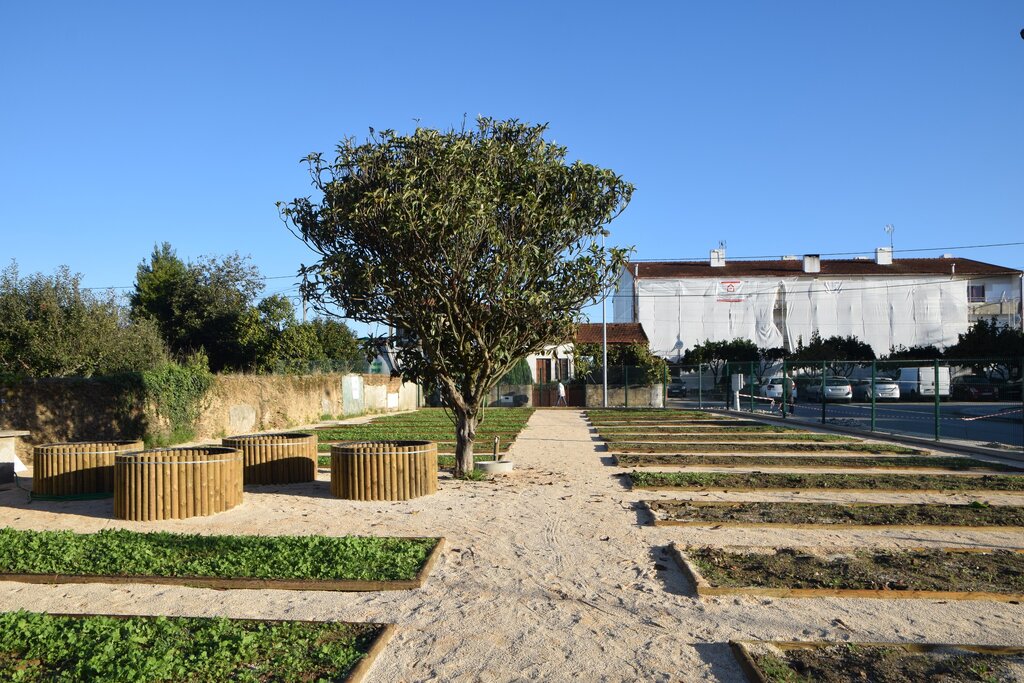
(604, 338)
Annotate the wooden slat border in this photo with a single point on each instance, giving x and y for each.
(705, 589)
(223, 583)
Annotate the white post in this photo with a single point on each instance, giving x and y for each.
(604, 338)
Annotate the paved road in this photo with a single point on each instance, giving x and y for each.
(983, 422)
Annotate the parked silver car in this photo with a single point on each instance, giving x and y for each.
(886, 389)
(836, 389)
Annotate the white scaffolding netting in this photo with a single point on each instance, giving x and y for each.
(679, 313)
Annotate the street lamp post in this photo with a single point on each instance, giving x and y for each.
(604, 337)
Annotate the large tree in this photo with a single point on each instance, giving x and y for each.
(478, 245)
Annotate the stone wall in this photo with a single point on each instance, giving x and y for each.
(638, 397)
(75, 409)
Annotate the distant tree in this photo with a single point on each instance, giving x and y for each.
(51, 327)
(768, 360)
(843, 354)
(519, 374)
(717, 355)
(991, 348)
(202, 305)
(482, 245)
(643, 365)
(320, 344)
(913, 353)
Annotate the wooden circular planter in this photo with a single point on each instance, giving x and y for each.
(175, 483)
(84, 468)
(384, 470)
(285, 458)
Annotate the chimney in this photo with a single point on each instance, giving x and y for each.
(883, 256)
(812, 263)
(718, 257)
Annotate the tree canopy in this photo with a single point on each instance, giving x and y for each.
(51, 327)
(479, 245)
(212, 305)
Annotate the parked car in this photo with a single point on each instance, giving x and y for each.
(886, 389)
(973, 388)
(836, 389)
(1009, 391)
(677, 388)
(773, 389)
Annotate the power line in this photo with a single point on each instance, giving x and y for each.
(834, 253)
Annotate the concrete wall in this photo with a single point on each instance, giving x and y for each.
(74, 409)
(639, 396)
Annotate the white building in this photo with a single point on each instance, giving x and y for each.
(884, 301)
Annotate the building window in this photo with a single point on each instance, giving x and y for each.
(975, 294)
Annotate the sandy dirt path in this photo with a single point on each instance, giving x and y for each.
(547, 575)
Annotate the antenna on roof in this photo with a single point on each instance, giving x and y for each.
(721, 244)
(889, 230)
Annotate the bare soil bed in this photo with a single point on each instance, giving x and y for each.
(695, 429)
(946, 462)
(997, 571)
(880, 662)
(808, 480)
(767, 447)
(726, 436)
(858, 514)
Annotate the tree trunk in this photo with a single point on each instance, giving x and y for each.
(465, 435)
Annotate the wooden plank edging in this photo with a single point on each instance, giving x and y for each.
(362, 668)
(705, 589)
(228, 583)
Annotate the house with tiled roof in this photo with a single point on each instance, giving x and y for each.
(887, 302)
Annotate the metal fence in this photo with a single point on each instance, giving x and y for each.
(978, 401)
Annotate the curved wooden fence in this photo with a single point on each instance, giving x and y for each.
(83, 468)
(175, 483)
(384, 470)
(283, 458)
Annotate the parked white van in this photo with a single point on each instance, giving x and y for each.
(919, 382)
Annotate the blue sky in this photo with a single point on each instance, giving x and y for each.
(779, 127)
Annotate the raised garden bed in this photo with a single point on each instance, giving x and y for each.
(767, 447)
(799, 481)
(339, 563)
(726, 436)
(791, 662)
(848, 515)
(706, 423)
(695, 429)
(49, 647)
(633, 413)
(940, 574)
(945, 462)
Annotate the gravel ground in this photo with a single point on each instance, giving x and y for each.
(548, 574)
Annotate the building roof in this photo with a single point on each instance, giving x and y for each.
(618, 333)
(790, 268)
